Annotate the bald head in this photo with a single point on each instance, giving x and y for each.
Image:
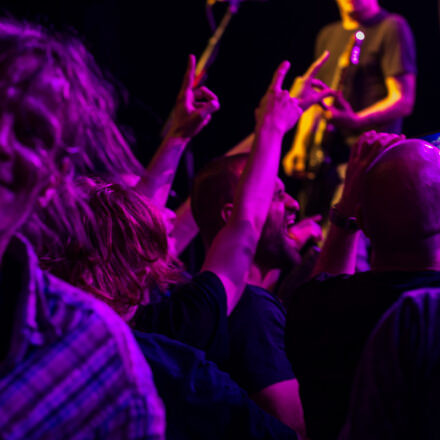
(401, 202)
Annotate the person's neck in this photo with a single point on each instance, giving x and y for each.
(353, 21)
(405, 261)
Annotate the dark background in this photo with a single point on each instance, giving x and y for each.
(145, 45)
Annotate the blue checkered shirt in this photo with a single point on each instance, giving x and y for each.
(73, 369)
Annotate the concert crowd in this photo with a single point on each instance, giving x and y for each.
(314, 315)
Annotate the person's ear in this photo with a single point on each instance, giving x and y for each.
(226, 211)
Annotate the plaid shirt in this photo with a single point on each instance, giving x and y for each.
(73, 370)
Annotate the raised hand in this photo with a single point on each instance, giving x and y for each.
(277, 108)
(363, 154)
(307, 88)
(194, 106)
(306, 230)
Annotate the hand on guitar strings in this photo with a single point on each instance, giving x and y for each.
(340, 113)
(308, 89)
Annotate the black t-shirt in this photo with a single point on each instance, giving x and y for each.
(328, 323)
(388, 50)
(396, 394)
(201, 401)
(256, 341)
(194, 314)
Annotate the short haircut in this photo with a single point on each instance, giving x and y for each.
(213, 187)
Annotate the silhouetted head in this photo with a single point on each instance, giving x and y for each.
(212, 201)
(401, 203)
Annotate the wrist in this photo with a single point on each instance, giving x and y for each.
(343, 217)
(346, 206)
(269, 126)
(175, 139)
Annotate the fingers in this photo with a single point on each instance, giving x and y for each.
(278, 77)
(188, 79)
(322, 95)
(340, 102)
(371, 145)
(203, 93)
(313, 70)
(360, 144)
(206, 101)
(319, 85)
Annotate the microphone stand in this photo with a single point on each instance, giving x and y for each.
(205, 61)
(208, 55)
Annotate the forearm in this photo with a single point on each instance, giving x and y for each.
(383, 111)
(257, 184)
(232, 251)
(397, 104)
(338, 254)
(156, 181)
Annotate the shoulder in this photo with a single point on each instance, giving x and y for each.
(206, 282)
(327, 32)
(85, 310)
(203, 290)
(330, 28)
(322, 283)
(418, 308)
(394, 25)
(102, 337)
(258, 303)
(395, 20)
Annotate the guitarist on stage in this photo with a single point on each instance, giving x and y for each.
(375, 75)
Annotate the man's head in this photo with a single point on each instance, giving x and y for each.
(400, 208)
(212, 201)
(358, 9)
(54, 102)
(33, 101)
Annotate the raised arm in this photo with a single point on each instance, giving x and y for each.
(185, 227)
(232, 251)
(338, 255)
(192, 111)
